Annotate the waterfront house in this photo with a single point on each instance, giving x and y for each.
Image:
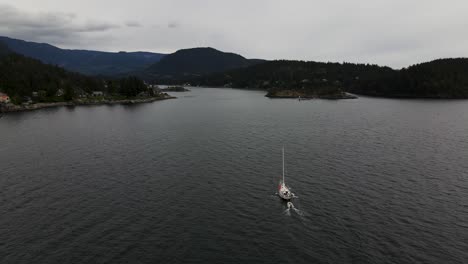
(80, 93)
(97, 93)
(156, 89)
(27, 100)
(152, 86)
(143, 94)
(59, 92)
(4, 98)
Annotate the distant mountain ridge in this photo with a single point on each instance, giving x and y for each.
(197, 61)
(442, 78)
(84, 61)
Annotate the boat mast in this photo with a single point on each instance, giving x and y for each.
(283, 164)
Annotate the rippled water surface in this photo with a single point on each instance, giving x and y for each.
(192, 180)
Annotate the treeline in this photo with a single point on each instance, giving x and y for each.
(21, 77)
(445, 78)
(128, 86)
(317, 77)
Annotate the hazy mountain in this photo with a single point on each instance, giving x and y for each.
(84, 61)
(197, 61)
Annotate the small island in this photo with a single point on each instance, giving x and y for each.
(175, 89)
(306, 94)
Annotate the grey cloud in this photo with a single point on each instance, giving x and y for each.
(133, 24)
(173, 24)
(61, 27)
(395, 33)
(94, 26)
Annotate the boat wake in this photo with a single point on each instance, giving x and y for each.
(290, 208)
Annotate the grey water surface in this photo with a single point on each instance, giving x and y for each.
(192, 180)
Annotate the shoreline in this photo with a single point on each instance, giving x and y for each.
(302, 96)
(38, 106)
(177, 89)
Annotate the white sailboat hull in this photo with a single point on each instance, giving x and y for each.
(284, 192)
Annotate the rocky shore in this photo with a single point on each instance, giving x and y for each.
(304, 95)
(5, 108)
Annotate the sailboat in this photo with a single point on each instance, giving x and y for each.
(283, 191)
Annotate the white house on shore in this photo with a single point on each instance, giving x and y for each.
(60, 92)
(4, 98)
(97, 93)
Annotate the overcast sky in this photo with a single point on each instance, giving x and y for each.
(396, 33)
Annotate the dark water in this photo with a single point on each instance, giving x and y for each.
(192, 181)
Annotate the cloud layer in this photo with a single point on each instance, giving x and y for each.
(395, 33)
(56, 27)
(132, 24)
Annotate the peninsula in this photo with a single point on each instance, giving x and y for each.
(27, 84)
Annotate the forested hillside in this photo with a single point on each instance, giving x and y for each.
(444, 78)
(22, 77)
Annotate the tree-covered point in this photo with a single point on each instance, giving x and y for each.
(22, 77)
(443, 78)
(131, 86)
(286, 75)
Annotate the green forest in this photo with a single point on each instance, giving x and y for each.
(444, 78)
(22, 77)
